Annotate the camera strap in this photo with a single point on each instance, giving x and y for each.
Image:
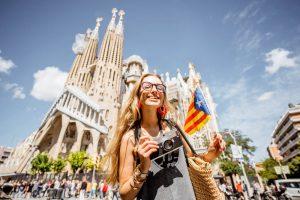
(173, 124)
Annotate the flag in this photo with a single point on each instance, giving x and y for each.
(198, 113)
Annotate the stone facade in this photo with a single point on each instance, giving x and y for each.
(4, 153)
(84, 116)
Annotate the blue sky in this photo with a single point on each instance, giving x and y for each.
(246, 51)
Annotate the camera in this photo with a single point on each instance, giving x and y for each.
(167, 143)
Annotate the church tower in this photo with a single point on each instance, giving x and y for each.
(83, 65)
(106, 83)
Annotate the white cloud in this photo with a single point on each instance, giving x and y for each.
(279, 58)
(79, 44)
(257, 119)
(265, 96)
(231, 90)
(249, 11)
(227, 17)
(248, 39)
(48, 83)
(6, 65)
(16, 90)
(247, 68)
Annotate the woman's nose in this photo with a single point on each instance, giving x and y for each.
(152, 89)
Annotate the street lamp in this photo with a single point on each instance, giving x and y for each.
(240, 162)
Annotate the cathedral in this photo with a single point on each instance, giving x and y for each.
(84, 116)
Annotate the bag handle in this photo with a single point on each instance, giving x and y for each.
(171, 123)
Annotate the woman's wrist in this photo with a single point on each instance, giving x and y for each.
(142, 169)
(139, 175)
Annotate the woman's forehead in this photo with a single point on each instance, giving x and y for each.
(152, 79)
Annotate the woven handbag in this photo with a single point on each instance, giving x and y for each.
(205, 187)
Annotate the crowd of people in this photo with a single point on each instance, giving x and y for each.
(59, 189)
(270, 192)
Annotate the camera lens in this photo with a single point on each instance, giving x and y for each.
(168, 145)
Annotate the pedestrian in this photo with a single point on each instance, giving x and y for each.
(115, 190)
(88, 189)
(239, 189)
(104, 188)
(94, 189)
(35, 189)
(73, 188)
(83, 188)
(140, 134)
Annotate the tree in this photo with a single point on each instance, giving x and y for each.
(76, 160)
(269, 173)
(229, 167)
(58, 165)
(294, 166)
(89, 163)
(41, 163)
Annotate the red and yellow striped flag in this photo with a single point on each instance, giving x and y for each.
(198, 114)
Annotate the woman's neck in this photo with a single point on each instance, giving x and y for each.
(150, 121)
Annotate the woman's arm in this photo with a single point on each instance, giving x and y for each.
(126, 167)
(216, 147)
(131, 177)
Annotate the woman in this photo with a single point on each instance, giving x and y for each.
(140, 126)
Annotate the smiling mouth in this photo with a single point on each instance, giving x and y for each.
(153, 98)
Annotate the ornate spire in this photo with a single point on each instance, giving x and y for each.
(119, 29)
(192, 72)
(112, 24)
(94, 34)
(167, 77)
(179, 76)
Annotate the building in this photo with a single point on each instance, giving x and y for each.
(84, 116)
(180, 90)
(286, 134)
(4, 153)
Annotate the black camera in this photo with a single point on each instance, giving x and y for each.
(167, 142)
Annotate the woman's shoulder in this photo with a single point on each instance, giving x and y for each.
(128, 136)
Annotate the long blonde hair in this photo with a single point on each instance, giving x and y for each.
(130, 114)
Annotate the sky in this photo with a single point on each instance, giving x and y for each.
(248, 53)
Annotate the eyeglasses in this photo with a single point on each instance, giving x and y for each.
(148, 87)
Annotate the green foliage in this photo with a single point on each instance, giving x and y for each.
(58, 165)
(294, 166)
(41, 163)
(89, 164)
(269, 172)
(241, 140)
(229, 167)
(227, 164)
(76, 160)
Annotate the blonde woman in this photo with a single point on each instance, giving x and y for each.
(137, 140)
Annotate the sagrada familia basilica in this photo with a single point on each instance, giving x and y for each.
(84, 116)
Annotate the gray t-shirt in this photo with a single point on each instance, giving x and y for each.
(168, 179)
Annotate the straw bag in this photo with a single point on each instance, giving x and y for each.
(205, 187)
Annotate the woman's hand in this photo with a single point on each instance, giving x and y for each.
(216, 147)
(145, 148)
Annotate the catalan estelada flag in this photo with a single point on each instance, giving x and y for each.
(198, 114)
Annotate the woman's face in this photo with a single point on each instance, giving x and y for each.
(152, 92)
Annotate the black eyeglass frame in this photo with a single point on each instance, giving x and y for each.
(158, 84)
